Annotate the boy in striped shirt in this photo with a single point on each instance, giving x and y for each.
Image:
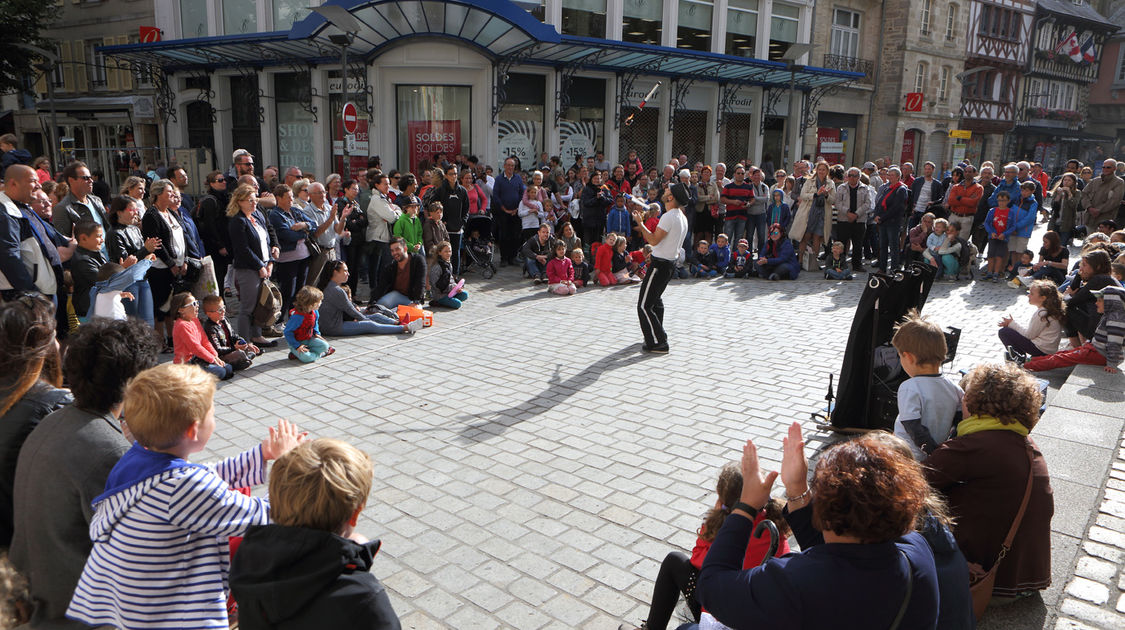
(161, 531)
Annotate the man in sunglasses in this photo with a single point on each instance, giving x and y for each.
(80, 203)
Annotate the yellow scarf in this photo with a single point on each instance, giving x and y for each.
(975, 424)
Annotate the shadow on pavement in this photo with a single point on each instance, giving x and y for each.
(485, 426)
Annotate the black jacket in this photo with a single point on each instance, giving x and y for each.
(125, 241)
(84, 268)
(212, 221)
(455, 205)
(245, 246)
(15, 425)
(417, 277)
(152, 225)
(937, 193)
(595, 205)
(292, 578)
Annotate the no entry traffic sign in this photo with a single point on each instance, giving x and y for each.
(350, 117)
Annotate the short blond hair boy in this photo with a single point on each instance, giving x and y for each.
(163, 402)
(922, 338)
(322, 484)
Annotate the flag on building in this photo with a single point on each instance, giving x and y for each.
(1069, 46)
(1088, 51)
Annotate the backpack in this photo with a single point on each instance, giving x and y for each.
(267, 309)
(428, 197)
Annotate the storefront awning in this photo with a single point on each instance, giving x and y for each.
(498, 28)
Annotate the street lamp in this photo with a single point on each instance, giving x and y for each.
(48, 65)
(339, 17)
(790, 57)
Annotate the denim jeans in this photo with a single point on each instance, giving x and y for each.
(452, 302)
(141, 304)
(374, 325)
(888, 244)
(316, 349)
(950, 265)
(842, 274)
(222, 372)
(394, 299)
(735, 229)
(534, 269)
(755, 232)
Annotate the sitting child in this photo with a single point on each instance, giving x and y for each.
(741, 261)
(620, 263)
(678, 572)
(927, 402)
(190, 343)
(603, 259)
(949, 252)
(582, 270)
(721, 251)
(447, 289)
(933, 243)
(154, 495)
(837, 267)
(560, 272)
(1022, 270)
(1042, 334)
(302, 330)
(317, 492)
(702, 261)
(231, 348)
(639, 260)
(1106, 346)
(680, 270)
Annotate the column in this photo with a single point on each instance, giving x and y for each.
(756, 124)
(793, 126)
(224, 144)
(322, 128)
(269, 125)
(719, 27)
(765, 11)
(550, 106)
(611, 134)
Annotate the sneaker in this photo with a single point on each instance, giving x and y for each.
(414, 326)
(292, 357)
(775, 277)
(538, 281)
(1015, 284)
(331, 351)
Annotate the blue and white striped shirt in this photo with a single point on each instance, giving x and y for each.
(161, 555)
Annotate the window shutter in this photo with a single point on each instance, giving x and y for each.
(78, 50)
(112, 73)
(67, 61)
(125, 70)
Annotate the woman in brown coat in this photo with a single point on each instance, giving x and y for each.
(983, 474)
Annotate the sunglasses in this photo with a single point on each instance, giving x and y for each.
(190, 304)
(88, 178)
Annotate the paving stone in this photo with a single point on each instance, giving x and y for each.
(1096, 570)
(1088, 590)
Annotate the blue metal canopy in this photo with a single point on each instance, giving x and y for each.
(498, 28)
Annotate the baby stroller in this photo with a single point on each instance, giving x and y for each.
(476, 247)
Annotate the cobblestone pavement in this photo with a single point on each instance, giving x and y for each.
(533, 466)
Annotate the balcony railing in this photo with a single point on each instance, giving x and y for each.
(851, 64)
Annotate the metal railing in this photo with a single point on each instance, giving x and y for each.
(851, 64)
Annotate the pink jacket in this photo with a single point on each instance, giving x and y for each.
(189, 341)
(560, 270)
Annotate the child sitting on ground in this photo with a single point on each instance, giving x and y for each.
(434, 230)
(678, 572)
(949, 252)
(927, 402)
(837, 267)
(933, 243)
(311, 555)
(231, 348)
(154, 495)
(1022, 270)
(999, 226)
(1042, 334)
(409, 227)
(560, 272)
(302, 330)
(680, 270)
(639, 260)
(582, 271)
(702, 261)
(190, 343)
(620, 263)
(603, 259)
(741, 260)
(447, 289)
(1106, 346)
(721, 251)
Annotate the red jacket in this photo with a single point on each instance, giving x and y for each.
(755, 551)
(603, 257)
(560, 270)
(963, 199)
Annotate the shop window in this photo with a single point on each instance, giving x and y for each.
(694, 30)
(642, 20)
(286, 13)
(689, 135)
(736, 138)
(193, 18)
(742, 28)
(432, 119)
(845, 34)
(246, 126)
(295, 136)
(783, 29)
(582, 126)
(201, 129)
(537, 8)
(585, 18)
(520, 128)
(240, 16)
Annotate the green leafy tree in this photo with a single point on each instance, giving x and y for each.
(23, 23)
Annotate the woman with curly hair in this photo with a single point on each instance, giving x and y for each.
(983, 474)
(875, 572)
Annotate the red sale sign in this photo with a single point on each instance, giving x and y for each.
(429, 137)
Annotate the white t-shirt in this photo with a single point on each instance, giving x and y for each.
(263, 241)
(675, 224)
(108, 305)
(923, 197)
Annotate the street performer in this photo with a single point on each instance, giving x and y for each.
(665, 241)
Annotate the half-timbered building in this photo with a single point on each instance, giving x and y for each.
(1054, 94)
(997, 40)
